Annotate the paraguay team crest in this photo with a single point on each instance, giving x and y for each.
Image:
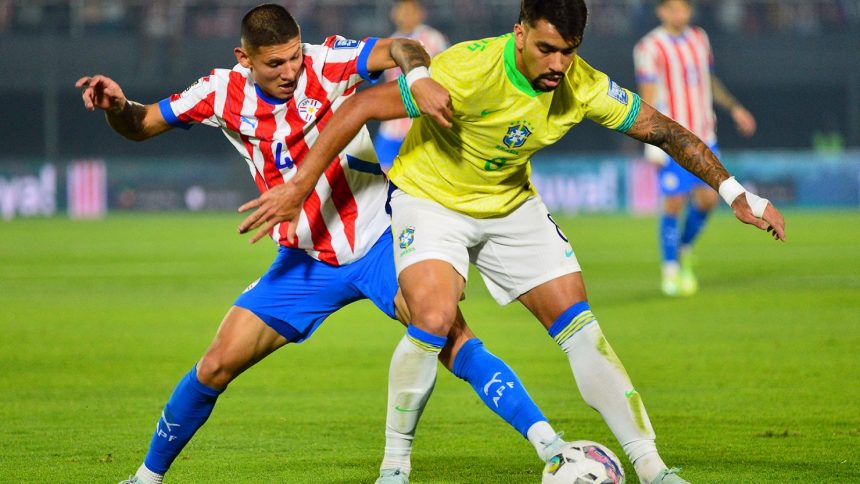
(517, 135)
(407, 237)
(308, 109)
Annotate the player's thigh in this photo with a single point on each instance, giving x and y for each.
(523, 250)
(430, 254)
(242, 340)
(298, 293)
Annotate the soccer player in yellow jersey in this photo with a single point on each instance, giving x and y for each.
(462, 194)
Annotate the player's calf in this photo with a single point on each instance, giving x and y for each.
(605, 386)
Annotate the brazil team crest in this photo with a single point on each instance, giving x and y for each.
(517, 135)
(308, 109)
(407, 237)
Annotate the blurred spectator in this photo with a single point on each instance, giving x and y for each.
(163, 24)
(6, 14)
(29, 17)
(462, 19)
(101, 16)
(209, 18)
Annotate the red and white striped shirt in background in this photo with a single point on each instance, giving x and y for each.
(434, 42)
(681, 67)
(345, 214)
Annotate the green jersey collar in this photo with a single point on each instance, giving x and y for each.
(516, 77)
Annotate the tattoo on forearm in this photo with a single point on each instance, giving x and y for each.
(409, 55)
(128, 120)
(682, 145)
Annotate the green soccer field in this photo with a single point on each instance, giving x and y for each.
(756, 379)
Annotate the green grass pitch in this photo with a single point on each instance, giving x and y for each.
(756, 379)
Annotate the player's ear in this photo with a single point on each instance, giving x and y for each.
(519, 36)
(242, 57)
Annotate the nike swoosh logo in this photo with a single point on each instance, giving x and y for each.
(630, 393)
(488, 112)
(405, 410)
(568, 252)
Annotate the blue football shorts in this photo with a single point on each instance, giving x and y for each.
(298, 292)
(674, 179)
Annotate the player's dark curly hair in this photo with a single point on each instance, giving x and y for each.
(268, 24)
(567, 16)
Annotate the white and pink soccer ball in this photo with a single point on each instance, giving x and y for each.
(583, 462)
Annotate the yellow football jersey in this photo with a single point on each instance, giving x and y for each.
(480, 167)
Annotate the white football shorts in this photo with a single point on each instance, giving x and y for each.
(514, 253)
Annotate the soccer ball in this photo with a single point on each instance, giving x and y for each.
(583, 462)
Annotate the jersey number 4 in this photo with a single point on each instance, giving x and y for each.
(282, 159)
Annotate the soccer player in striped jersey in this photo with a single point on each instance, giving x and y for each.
(463, 195)
(272, 106)
(675, 74)
(408, 16)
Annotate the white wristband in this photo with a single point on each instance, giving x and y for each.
(730, 189)
(415, 74)
(757, 204)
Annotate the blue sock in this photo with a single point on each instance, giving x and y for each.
(497, 385)
(186, 411)
(696, 219)
(669, 237)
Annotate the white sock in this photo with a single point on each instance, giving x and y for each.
(541, 435)
(411, 378)
(147, 476)
(649, 463)
(671, 269)
(605, 386)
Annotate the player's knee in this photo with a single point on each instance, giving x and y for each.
(674, 204)
(214, 371)
(435, 320)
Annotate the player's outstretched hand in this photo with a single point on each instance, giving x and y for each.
(771, 220)
(281, 203)
(101, 92)
(434, 101)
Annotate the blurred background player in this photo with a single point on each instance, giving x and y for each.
(675, 74)
(271, 107)
(408, 16)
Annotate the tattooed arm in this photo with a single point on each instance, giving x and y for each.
(406, 54)
(432, 99)
(691, 152)
(128, 118)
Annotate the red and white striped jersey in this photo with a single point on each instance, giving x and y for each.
(681, 67)
(345, 214)
(434, 42)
